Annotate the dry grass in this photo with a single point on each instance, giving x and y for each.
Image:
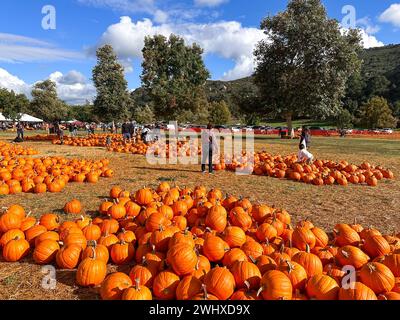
(325, 206)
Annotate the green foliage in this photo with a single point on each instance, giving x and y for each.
(174, 76)
(83, 113)
(396, 109)
(344, 119)
(219, 113)
(144, 115)
(12, 104)
(113, 99)
(303, 68)
(376, 113)
(46, 104)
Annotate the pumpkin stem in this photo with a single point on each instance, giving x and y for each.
(307, 248)
(260, 290)
(252, 259)
(137, 284)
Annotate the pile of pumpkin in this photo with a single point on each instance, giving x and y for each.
(199, 245)
(39, 175)
(12, 150)
(320, 172)
(158, 149)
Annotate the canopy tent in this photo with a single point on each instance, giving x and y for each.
(22, 118)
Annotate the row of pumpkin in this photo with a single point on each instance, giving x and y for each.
(185, 243)
(47, 174)
(320, 172)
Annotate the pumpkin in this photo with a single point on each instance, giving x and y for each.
(75, 238)
(321, 238)
(295, 272)
(244, 294)
(10, 221)
(188, 287)
(377, 276)
(322, 287)
(68, 256)
(350, 255)
(143, 273)
(165, 285)
(13, 234)
(122, 252)
(91, 271)
(345, 235)
(376, 246)
(389, 296)
(45, 252)
(214, 248)
(265, 263)
(117, 211)
(144, 196)
(245, 271)
(48, 235)
(275, 285)
(356, 291)
(309, 261)
(234, 236)
(73, 207)
(220, 282)
(50, 221)
(266, 232)
(92, 232)
(15, 250)
(216, 218)
(182, 258)
(240, 218)
(16, 209)
(232, 256)
(137, 292)
(33, 232)
(252, 249)
(392, 261)
(114, 285)
(302, 237)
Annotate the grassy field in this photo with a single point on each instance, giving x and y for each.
(325, 206)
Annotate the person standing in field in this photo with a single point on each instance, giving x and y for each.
(208, 147)
(126, 131)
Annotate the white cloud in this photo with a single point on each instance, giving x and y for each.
(209, 3)
(227, 39)
(12, 82)
(71, 87)
(370, 41)
(391, 15)
(16, 48)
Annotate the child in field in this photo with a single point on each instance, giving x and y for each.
(304, 155)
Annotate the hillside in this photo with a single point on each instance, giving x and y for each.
(377, 61)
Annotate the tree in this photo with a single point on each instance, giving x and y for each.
(219, 113)
(12, 104)
(46, 104)
(113, 99)
(344, 119)
(84, 113)
(376, 113)
(174, 76)
(377, 86)
(144, 114)
(304, 64)
(396, 109)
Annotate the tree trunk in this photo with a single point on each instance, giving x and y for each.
(289, 124)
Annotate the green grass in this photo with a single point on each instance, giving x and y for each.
(303, 122)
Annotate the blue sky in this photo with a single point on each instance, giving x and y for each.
(226, 29)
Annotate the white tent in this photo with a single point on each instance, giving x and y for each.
(23, 118)
(28, 118)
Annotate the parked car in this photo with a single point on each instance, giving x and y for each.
(387, 130)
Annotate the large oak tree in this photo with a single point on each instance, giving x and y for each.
(305, 61)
